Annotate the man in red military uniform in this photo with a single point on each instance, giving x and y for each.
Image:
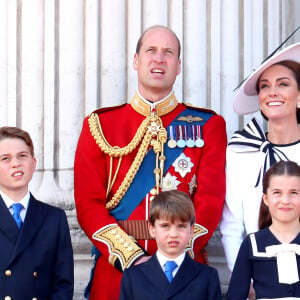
(128, 154)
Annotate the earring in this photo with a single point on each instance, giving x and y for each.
(298, 104)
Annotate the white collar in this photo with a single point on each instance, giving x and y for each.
(8, 201)
(286, 259)
(162, 259)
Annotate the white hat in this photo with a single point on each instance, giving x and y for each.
(246, 99)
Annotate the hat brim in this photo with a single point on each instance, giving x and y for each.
(246, 99)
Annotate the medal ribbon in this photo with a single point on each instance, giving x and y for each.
(143, 181)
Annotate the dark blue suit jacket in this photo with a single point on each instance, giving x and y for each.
(38, 261)
(193, 280)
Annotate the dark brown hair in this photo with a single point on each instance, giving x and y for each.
(140, 41)
(288, 168)
(17, 133)
(172, 205)
(294, 67)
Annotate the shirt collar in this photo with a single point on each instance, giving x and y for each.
(162, 259)
(8, 201)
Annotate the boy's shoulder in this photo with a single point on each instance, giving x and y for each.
(49, 208)
(200, 266)
(188, 262)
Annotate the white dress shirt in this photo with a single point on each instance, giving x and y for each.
(24, 201)
(163, 259)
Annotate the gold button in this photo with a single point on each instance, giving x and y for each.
(35, 274)
(8, 273)
(7, 298)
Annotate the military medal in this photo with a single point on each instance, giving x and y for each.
(192, 185)
(169, 183)
(183, 165)
(181, 141)
(190, 138)
(154, 128)
(171, 143)
(199, 141)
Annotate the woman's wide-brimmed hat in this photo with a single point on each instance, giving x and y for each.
(246, 99)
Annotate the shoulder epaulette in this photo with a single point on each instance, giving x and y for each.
(210, 111)
(110, 108)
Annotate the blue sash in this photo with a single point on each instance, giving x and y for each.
(144, 180)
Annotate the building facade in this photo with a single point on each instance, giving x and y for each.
(60, 60)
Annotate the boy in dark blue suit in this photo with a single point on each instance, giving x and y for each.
(36, 257)
(171, 273)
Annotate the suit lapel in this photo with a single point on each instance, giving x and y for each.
(154, 273)
(32, 223)
(188, 270)
(8, 225)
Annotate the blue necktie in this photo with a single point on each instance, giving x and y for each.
(170, 266)
(17, 207)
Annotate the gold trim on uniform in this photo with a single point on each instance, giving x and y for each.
(199, 230)
(151, 132)
(120, 245)
(162, 108)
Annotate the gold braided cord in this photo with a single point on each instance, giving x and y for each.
(130, 174)
(146, 134)
(96, 131)
(110, 180)
(162, 136)
(109, 176)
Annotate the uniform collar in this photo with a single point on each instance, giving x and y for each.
(145, 107)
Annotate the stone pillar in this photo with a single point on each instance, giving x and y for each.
(60, 60)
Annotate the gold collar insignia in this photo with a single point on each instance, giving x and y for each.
(161, 108)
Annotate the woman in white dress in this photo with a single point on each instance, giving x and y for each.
(274, 89)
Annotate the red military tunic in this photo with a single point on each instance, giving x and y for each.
(203, 180)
